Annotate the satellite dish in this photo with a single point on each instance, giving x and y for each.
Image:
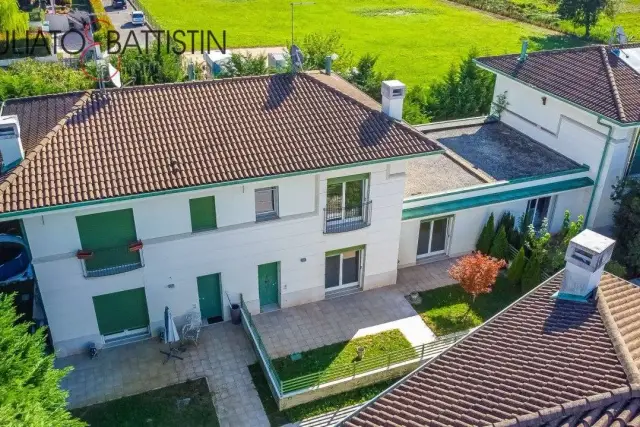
(297, 58)
(618, 36)
(114, 76)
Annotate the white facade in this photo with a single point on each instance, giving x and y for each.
(173, 255)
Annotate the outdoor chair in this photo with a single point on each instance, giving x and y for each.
(191, 330)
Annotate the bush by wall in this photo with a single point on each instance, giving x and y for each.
(486, 236)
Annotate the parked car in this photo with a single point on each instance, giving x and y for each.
(137, 18)
(119, 4)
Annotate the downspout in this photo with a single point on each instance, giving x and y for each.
(599, 174)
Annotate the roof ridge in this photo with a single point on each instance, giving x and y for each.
(612, 82)
(619, 344)
(32, 153)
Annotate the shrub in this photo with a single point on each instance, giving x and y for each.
(476, 273)
(508, 221)
(245, 65)
(486, 236)
(516, 270)
(615, 268)
(104, 21)
(366, 78)
(532, 275)
(152, 66)
(316, 47)
(500, 246)
(626, 221)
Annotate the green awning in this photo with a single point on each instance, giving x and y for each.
(493, 198)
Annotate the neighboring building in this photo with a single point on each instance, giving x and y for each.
(566, 354)
(290, 189)
(568, 121)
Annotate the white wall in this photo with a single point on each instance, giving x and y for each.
(174, 255)
(572, 132)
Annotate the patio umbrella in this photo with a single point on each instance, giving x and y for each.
(170, 335)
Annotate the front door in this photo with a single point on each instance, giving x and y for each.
(210, 297)
(432, 238)
(268, 284)
(121, 312)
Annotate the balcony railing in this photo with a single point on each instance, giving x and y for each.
(109, 261)
(340, 220)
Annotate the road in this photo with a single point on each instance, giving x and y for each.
(121, 19)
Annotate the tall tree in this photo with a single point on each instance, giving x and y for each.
(486, 236)
(12, 18)
(30, 394)
(586, 12)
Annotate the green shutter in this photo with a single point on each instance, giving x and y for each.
(121, 310)
(359, 177)
(203, 213)
(108, 235)
(349, 249)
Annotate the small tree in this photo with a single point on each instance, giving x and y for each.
(366, 78)
(155, 65)
(532, 275)
(486, 236)
(500, 246)
(476, 273)
(245, 65)
(586, 12)
(316, 47)
(30, 394)
(514, 275)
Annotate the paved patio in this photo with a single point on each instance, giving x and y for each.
(222, 357)
(314, 325)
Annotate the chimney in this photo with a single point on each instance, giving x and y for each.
(586, 257)
(523, 51)
(10, 142)
(393, 92)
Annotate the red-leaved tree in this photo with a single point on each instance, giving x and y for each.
(476, 273)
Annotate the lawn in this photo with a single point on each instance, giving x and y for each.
(318, 407)
(418, 40)
(449, 309)
(344, 353)
(156, 408)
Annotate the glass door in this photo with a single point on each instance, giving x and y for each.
(432, 237)
(345, 199)
(343, 270)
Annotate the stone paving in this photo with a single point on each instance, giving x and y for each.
(222, 357)
(314, 325)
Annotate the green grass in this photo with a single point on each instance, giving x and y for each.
(318, 407)
(156, 408)
(418, 40)
(449, 309)
(344, 354)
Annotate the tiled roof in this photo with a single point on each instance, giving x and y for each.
(592, 77)
(152, 138)
(540, 360)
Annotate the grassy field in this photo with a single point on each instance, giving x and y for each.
(449, 309)
(311, 409)
(341, 354)
(418, 40)
(156, 408)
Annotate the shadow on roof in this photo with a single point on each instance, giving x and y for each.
(568, 315)
(279, 89)
(374, 129)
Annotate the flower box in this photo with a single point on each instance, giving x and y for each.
(84, 254)
(135, 246)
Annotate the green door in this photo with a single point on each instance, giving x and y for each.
(268, 284)
(209, 295)
(126, 310)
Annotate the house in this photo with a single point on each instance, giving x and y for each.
(567, 129)
(564, 354)
(288, 189)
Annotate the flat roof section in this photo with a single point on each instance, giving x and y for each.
(438, 173)
(500, 151)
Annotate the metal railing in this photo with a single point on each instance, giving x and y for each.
(109, 261)
(340, 220)
(419, 353)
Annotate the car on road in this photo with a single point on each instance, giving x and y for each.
(119, 4)
(137, 17)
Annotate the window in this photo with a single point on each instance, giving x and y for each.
(343, 268)
(107, 237)
(347, 203)
(266, 203)
(538, 210)
(432, 237)
(203, 213)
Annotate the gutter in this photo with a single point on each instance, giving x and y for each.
(600, 116)
(607, 143)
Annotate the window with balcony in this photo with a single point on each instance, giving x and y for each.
(203, 213)
(109, 243)
(266, 203)
(348, 207)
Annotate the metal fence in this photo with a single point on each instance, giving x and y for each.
(340, 220)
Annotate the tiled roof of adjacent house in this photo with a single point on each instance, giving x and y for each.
(92, 146)
(592, 77)
(542, 361)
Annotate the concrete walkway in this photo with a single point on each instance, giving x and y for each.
(309, 326)
(222, 357)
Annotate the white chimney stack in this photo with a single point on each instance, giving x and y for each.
(10, 142)
(586, 257)
(393, 93)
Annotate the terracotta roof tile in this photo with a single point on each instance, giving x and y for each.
(592, 77)
(152, 138)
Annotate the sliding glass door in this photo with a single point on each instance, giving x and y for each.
(432, 237)
(343, 270)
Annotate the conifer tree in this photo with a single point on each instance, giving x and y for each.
(500, 246)
(486, 236)
(514, 275)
